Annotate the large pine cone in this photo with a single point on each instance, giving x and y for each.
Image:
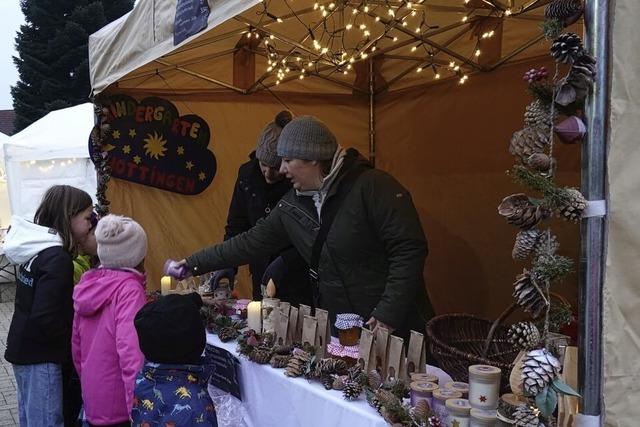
(374, 379)
(261, 356)
(538, 114)
(228, 333)
(583, 69)
(339, 382)
(352, 391)
(565, 11)
(524, 335)
(539, 370)
(373, 401)
(528, 141)
(525, 242)
(422, 411)
(327, 381)
(386, 398)
(519, 211)
(528, 296)
(576, 204)
(280, 361)
(566, 48)
(542, 163)
(525, 417)
(330, 366)
(298, 363)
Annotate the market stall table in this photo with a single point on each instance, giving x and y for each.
(272, 399)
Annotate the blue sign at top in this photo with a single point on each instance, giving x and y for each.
(191, 18)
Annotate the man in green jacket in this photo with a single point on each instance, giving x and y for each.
(371, 262)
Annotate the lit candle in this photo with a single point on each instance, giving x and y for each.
(254, 316)
(165, 285)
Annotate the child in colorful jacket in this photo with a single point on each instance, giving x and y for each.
(171, 389)
(104, 342)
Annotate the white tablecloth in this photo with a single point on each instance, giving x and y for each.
(270, 398)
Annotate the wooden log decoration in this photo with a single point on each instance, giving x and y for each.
(381, 350)
(309, 327)
(417, 354)
(395, 359)
(292, 332)
(366, 350)
(568, 405)
(323, 334)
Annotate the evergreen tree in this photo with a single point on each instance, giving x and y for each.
(53, 61)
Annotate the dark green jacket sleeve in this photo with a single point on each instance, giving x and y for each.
(394, 218)
(267, 237)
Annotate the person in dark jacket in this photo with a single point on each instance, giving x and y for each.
(372, 260)
(171, 388)
(259, 187)
(39, 338)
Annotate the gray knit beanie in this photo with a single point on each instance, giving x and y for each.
(307, 138)
(121, 241)
(268, 140)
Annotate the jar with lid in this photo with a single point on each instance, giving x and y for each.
(459, 412)
(484, 386)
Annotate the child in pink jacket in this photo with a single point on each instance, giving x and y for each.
(104, 342)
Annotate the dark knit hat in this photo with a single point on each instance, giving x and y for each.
(307, 138)
(170, 329)
(268, 140)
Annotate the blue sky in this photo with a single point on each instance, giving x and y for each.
(10, 20)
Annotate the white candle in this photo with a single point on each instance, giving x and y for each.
(165, 285)
(254, 316)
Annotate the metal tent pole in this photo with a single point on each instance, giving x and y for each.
(592, 256)
(372, 117)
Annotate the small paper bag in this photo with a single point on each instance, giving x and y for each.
(323, 335)
(281, 327)
(395, 360)
(417, 356)
(381, 350)
(366, 350)
(292, 333)
(285, 307)
(304, 310)
(309, 327)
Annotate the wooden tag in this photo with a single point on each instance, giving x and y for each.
(293, 326)
(366, 350)
(309, 327)
(381, 351)
(395, 359)
(323, 335)
(281, 327)
(417, 355)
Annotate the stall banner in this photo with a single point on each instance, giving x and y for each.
(224, 368)
(191, 18)
(151, 144)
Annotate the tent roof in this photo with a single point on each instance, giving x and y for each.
(136, 52)
(60, 134)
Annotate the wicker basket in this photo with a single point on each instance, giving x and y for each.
(458, 340)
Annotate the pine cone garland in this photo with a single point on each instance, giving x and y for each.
(398, 387)
(519, 211)
(330, 366)
(528, 296)
(228, 333)
(279, 361)
(374, 379)
(528, 141)
(386, 398)
(352, 391)
(524, 335)
(525, 242)
(538, 114)
(584, 67)
(547, 245)
(259, 355)
(374, 402)
(566, 48)
(576, 204)
(565, 11)
(539, 370)
(524, 416)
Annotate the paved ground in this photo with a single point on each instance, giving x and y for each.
(8, 403)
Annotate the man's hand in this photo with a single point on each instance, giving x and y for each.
(374, 324)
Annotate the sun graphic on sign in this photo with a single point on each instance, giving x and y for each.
(154, 145)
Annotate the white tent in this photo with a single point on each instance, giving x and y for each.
(5, 212)
(53, 150)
